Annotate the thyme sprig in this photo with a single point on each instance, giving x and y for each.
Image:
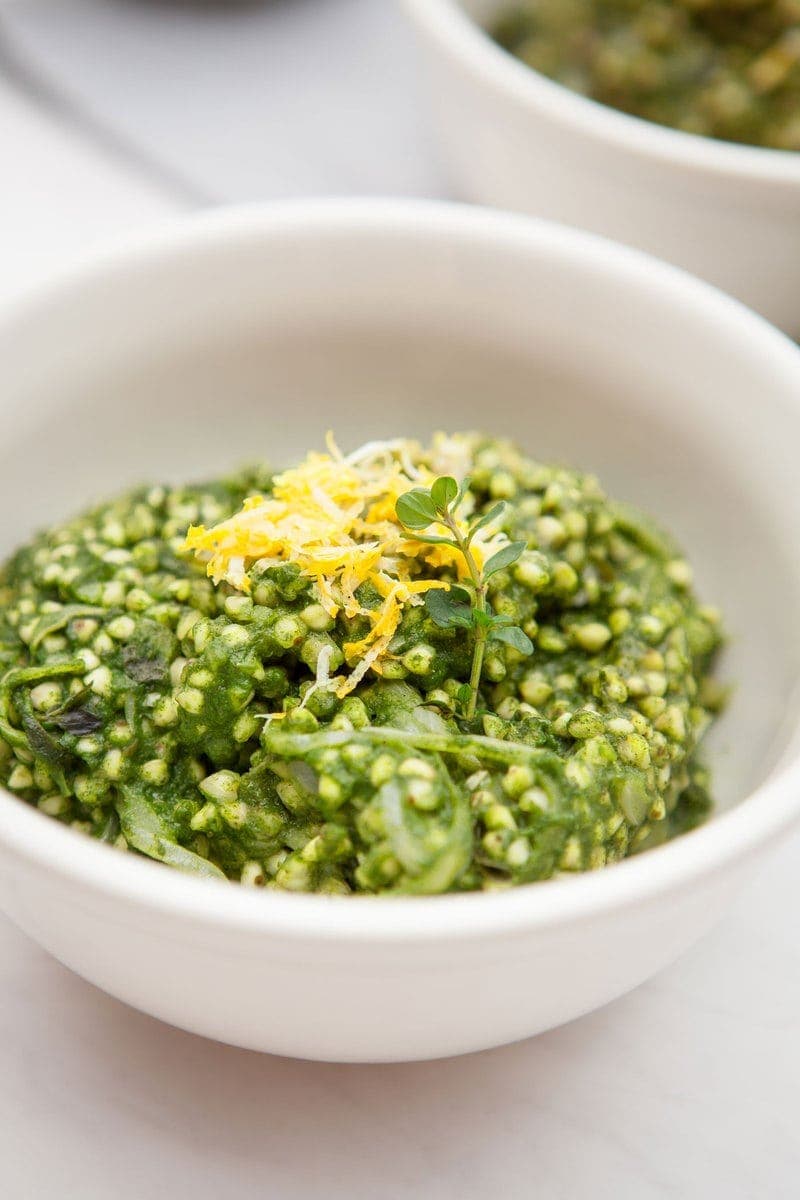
(465, 607)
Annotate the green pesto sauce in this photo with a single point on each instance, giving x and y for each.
(727, 69)
(133, 695)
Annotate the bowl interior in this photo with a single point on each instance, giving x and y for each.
(188, 362)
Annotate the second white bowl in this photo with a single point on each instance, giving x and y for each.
(514, 139)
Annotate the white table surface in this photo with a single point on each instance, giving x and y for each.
(689, 1087)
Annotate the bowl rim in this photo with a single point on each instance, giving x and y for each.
(457, 32)
(41, 843)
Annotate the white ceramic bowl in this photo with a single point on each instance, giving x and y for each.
(250, 333)
(515, 139)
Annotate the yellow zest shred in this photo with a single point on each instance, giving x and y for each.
(333, 516)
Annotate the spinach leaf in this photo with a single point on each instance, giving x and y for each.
(148, 832)
(147, 656)
(42, 745)
(78, 721)
(50, 623)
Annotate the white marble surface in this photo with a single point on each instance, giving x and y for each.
(59, 197)
(686, 1088)
(243, 99)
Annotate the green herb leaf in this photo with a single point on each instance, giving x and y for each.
(418, 509)
(494, 514)
(504, 558)
(463, 488)
(448, 611)
(415, 509)
(443, 491)
(434, 539)
(513, 636)
(463, 694)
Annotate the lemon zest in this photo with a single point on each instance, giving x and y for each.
(333, 516)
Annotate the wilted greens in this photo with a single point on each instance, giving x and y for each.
(515, 687)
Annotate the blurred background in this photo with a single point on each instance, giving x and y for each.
(115, 112)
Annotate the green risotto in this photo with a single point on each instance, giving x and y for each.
(404, 670)
(727, 69)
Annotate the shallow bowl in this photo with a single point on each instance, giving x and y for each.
(249, 333)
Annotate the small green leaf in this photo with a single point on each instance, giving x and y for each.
(504, 558)
(464, 693)
(513, 636)
(447, 611)
(415, 509)
(443, 491)
(463, 488)
(494, 514)
(433, 539)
